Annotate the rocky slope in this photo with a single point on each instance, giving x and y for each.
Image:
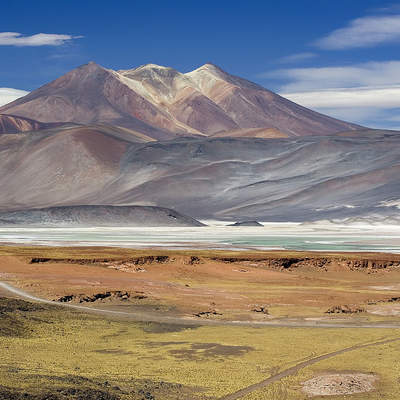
(98, 216)
(163, 103)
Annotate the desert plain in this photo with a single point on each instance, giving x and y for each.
(101, 323)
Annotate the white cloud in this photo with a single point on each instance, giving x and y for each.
(7, 95)
(363, 32)
(367, 93)
(375, 107)
(297, 57)
(40, 39)
(378, 97)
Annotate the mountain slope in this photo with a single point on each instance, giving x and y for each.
(252, 106)
(285, 179)
(163, 103)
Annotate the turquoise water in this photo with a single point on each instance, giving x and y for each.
(274, 236)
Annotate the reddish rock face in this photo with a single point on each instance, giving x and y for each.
(163, 103)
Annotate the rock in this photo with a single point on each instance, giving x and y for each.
(345, 309)
(82, 298)
(246, 223)
(194, 260)
(207, 313)
(260, 309)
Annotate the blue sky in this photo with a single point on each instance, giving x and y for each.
(340, 58)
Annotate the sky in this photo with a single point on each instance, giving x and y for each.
(338, 57)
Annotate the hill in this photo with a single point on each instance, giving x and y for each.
(129, 216)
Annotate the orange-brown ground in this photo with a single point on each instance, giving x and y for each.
(232, 284)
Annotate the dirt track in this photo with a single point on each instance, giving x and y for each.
(293, 370)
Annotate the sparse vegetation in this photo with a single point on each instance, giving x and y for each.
(85, 355)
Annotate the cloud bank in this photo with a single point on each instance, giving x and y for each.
(7, 95)
(363, 74)
(362, 93)
(40, 39)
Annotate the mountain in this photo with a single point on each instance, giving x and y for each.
(283, 179)
(98, 216)
(163, 103)
(91, 94)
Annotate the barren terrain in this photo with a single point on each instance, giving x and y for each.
(227, 286)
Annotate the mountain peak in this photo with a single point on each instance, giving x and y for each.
(208, 70)
(211, 66)
(88, 69)
(149, 71)
(154, 66)
(148, 67)
(91, 64)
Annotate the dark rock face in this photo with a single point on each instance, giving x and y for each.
(246, 223)
(98, 216)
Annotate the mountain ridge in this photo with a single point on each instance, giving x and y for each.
(164, 103)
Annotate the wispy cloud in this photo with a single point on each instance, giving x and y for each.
(363, 32)
(356, 75)
(297, 57)
(7, 95)
(39, 39)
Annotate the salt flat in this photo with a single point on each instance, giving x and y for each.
(321, 236)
